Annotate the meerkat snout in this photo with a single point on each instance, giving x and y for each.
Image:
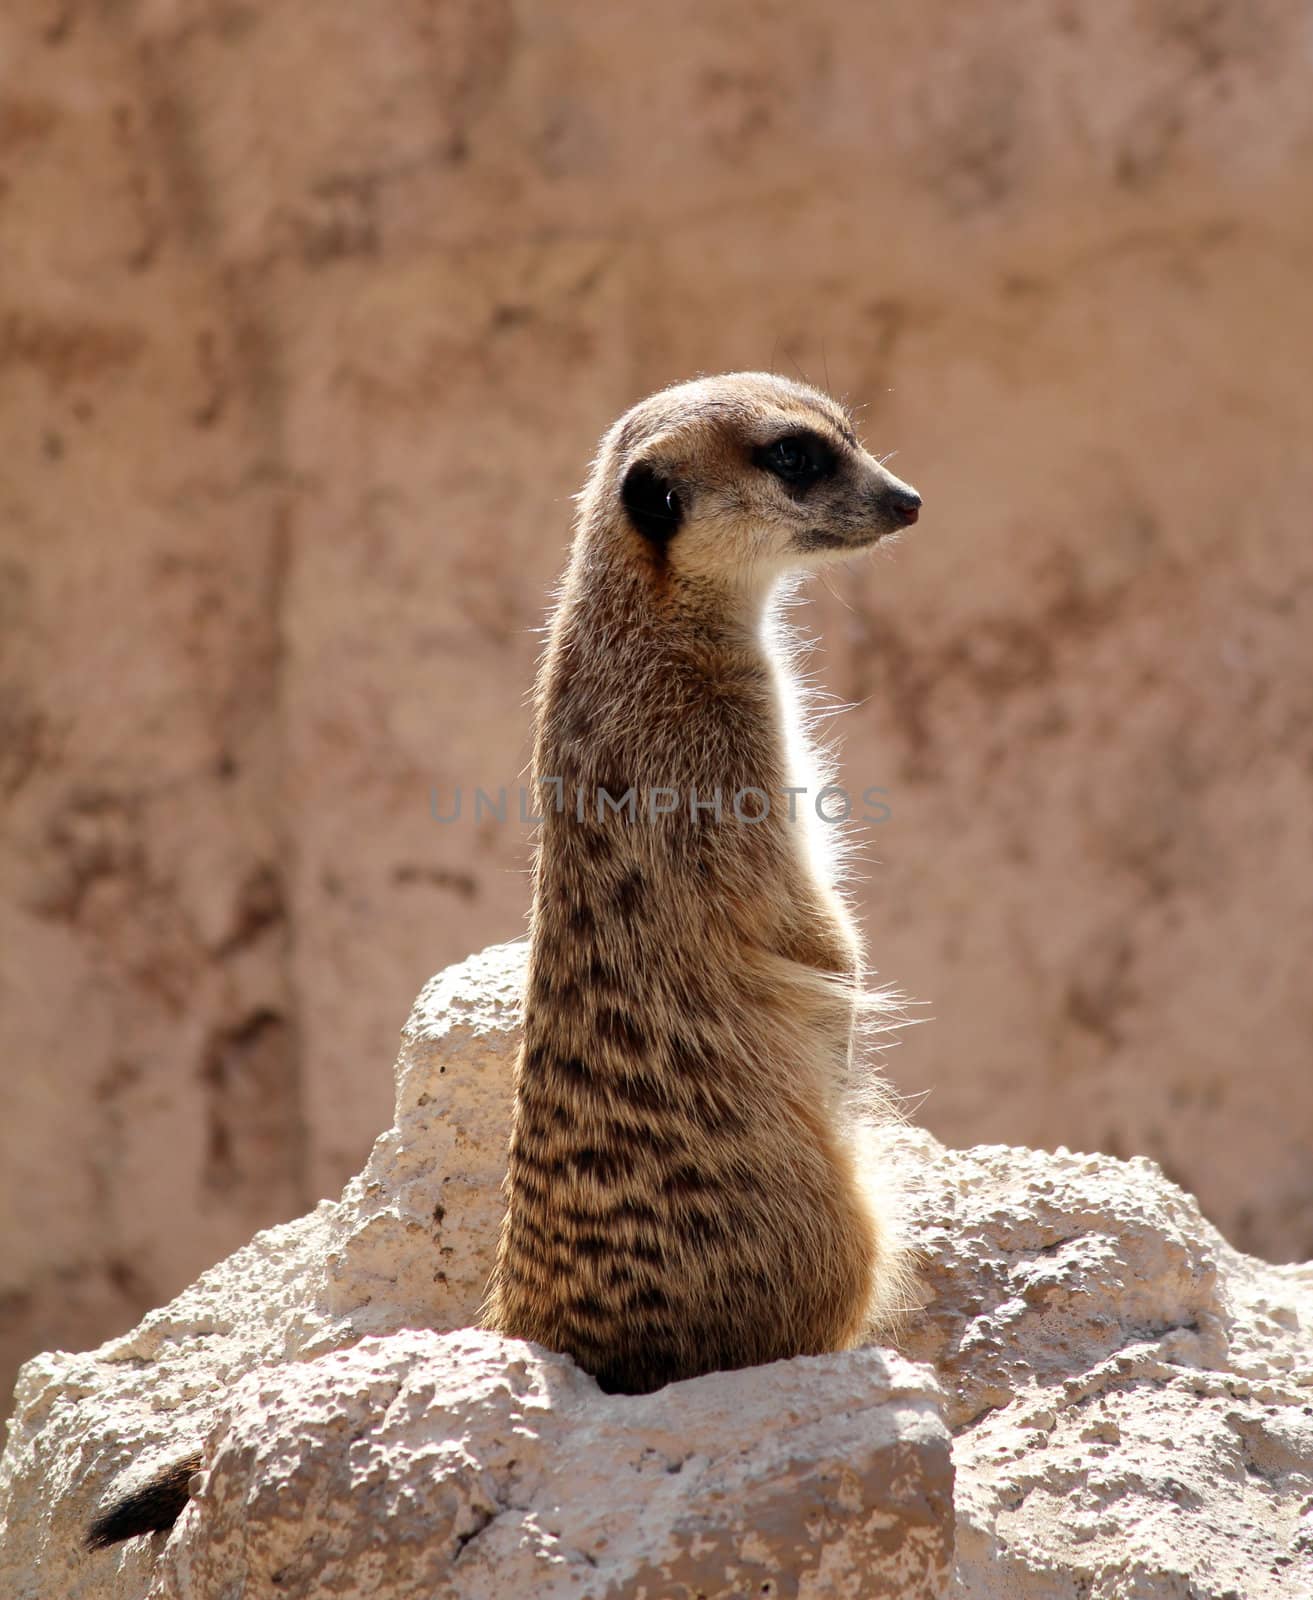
(903, 503)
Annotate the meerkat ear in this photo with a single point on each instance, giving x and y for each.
(652, 503)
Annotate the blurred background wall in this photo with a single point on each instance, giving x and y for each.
(310, 319)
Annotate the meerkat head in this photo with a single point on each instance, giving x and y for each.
(744, 477)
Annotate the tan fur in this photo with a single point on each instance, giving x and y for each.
(682, 1191)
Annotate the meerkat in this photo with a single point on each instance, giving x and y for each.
(683, 1194)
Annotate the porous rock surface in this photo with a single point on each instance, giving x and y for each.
(465, 1464)
(1131, 1400)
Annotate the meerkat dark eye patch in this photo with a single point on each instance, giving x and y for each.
(798, 460)
(652, 503)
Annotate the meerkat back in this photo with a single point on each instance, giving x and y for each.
(682, 1194)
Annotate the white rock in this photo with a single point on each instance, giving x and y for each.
(833, 1472)
(465, 1464)
(1132, 1400)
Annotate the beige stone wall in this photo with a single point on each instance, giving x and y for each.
(310, 318)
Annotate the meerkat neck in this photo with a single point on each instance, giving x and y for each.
(728, 611)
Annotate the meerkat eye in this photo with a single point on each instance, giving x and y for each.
(786, 456)
(798, 459)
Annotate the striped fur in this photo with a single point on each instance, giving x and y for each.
(682, 1190)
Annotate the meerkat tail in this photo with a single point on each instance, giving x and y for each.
(152, 1507)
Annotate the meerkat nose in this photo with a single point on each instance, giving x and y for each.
(905, 504)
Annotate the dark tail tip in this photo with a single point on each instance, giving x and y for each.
(153, 1507)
